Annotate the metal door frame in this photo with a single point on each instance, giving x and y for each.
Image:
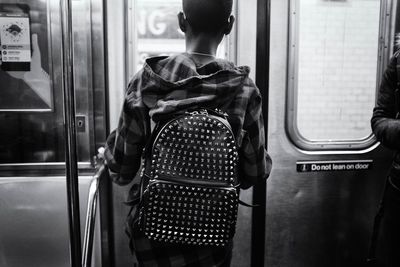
(262, 81)
(97, 31)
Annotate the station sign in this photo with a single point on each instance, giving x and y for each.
(322, 166)
(158, 20)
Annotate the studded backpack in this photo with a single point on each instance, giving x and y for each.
(189, 186)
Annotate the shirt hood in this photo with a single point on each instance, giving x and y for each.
(169, 84)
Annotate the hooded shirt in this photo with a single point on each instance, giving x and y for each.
(167, 85)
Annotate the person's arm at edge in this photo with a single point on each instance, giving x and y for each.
(384, 125)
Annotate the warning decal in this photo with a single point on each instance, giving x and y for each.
(320, 166)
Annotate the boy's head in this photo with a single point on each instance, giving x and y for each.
(206, 16)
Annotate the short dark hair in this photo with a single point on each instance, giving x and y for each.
(207, 15)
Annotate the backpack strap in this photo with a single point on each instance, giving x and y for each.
(248, 205)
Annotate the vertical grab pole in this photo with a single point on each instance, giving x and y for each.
(70, 135)
(262, 81)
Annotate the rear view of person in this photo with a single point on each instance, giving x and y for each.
(165, 86)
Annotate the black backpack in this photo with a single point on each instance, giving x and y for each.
(189, 186)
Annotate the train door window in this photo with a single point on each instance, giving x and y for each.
(333, 69)
(31, 96)
(152, 30)
(30, 115)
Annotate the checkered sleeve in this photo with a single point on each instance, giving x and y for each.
(255, 163)
(124, 145)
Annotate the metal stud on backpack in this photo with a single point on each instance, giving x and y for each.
(190, 185)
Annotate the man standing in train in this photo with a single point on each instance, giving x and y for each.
(386, 127)
(166, 85)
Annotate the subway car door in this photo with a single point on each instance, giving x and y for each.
(328, 174)
(34, 228)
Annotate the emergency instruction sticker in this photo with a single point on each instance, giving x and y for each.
(15, 38)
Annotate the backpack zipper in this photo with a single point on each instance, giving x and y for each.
(190, 182)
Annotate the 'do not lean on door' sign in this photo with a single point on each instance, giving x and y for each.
(320, 166)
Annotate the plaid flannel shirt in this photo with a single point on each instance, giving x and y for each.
(164, 86)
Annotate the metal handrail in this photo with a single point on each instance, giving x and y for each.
(88, 239)
(71, 156)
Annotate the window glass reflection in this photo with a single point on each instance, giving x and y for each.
(156, 30)
(337, 68)
(31, 119)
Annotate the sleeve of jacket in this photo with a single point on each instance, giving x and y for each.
(124, 145)
(255, 163)
(384, 124)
